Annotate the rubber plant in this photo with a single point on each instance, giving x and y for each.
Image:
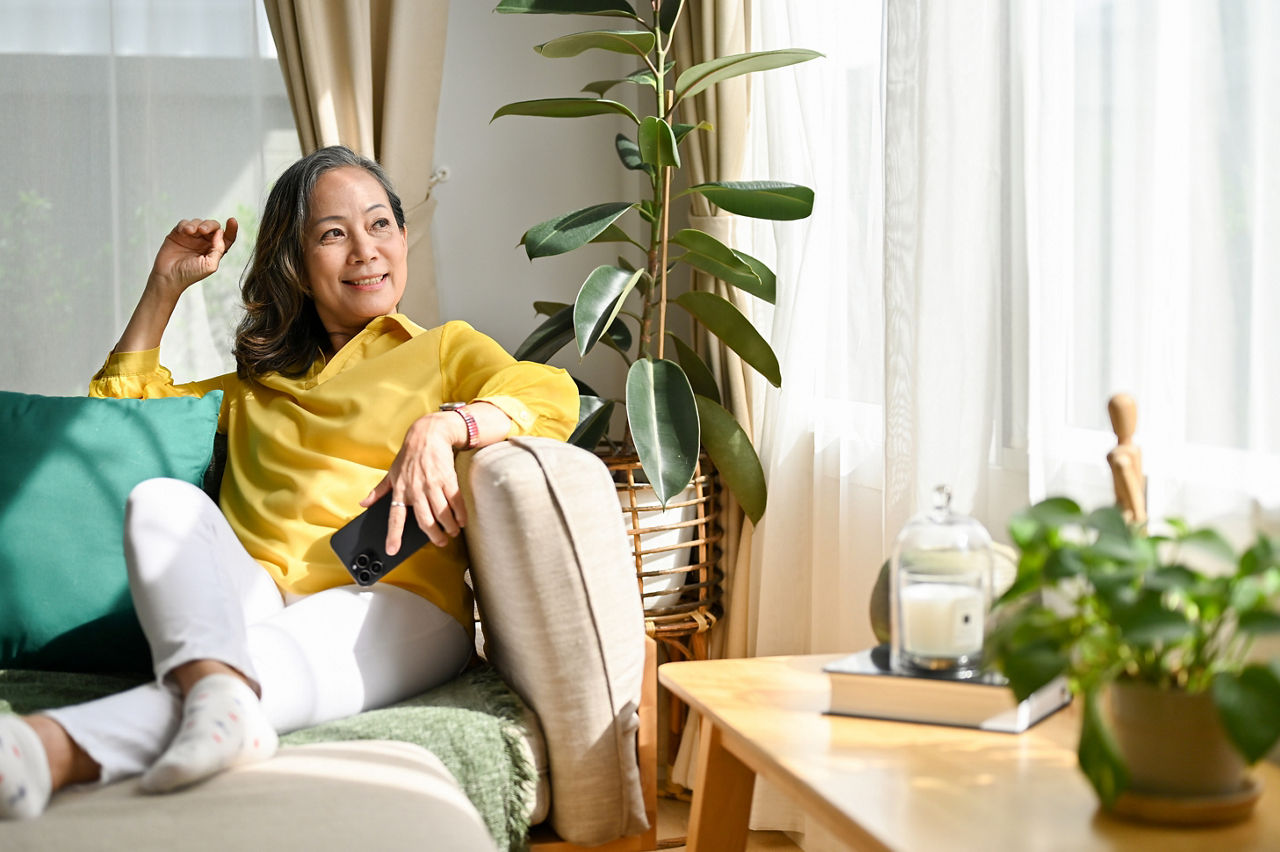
(1102, 601)
(673, 405)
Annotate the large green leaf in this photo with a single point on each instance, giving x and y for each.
(557, 330)
(547, 308)
(658, 143)
(1061, 564)
(1119, 549)
(663, 418)
(619, 337)
(1249, 705)
(610, 8)
(565, 108)
(1259, 622)
(593, 421)
(1262, 556)
(761, 199)
(768, 281)
(548, 338)
(668, 13)
(1167, 577)
(1099, 756)
(727, 323)
(683, 130)
(1147, 622)
(1108, 520)
(699, 374)
(1031, 666)
(1056, 512)
(713, 257)
(599, 300)
(698, 77)
(572, 230)
(639, 42)
(731, 451)
(611, 234)
(643, 77)
(1211, 542)
(629, 153)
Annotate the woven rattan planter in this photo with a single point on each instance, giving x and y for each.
(686, 549)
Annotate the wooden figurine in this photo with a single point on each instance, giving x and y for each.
(1126, 460)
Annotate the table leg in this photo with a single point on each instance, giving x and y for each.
(721, 796)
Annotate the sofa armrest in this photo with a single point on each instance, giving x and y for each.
(563, 622)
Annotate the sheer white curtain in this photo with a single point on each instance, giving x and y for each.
(1154, 234)
(1064, 200)
(821, 436)
(821, 433)
(121, 117)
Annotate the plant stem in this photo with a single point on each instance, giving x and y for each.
(666, 221)
(655, 263)
(671, 36)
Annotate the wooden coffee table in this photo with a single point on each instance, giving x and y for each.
(896, 785)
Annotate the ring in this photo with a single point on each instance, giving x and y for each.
(398, 503)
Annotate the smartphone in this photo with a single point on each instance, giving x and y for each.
(361, 543)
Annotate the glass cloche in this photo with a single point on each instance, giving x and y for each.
(940, 592)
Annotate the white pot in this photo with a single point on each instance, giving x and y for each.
(662, 534)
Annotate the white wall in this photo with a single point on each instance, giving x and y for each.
(507, 176)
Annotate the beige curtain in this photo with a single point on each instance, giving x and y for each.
(712, 28)
(366, 74)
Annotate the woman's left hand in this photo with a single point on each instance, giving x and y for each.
(422, 480)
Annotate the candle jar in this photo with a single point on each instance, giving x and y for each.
(940, 592)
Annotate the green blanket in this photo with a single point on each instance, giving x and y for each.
(473, 724)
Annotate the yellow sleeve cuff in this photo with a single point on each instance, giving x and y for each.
(522, 418)
(123, 364)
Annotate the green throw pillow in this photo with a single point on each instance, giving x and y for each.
(67, 465)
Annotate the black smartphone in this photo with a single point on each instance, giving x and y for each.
(361, 543)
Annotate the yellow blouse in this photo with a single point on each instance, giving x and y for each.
(302, 452)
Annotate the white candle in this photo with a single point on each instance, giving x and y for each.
(941, 620)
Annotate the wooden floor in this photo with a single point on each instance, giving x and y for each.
(673, 823)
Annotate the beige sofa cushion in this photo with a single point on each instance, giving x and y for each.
(563, 622)
(371, 794)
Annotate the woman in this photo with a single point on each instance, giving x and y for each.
(336, 401)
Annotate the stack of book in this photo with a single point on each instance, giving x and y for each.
(863, 684)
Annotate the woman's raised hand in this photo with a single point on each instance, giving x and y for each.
(191, 252)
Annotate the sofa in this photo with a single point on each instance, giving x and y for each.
(564, 692)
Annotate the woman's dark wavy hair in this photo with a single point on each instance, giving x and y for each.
(281, 331)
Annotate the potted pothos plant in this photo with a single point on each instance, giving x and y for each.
(673, 405)
(1146, 618)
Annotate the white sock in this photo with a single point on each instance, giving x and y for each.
(25, 785)
(222, 726)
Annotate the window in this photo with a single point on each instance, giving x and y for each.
(122, 117)
(1174, 293)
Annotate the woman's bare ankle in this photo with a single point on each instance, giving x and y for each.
(68, 762)
(189, 674)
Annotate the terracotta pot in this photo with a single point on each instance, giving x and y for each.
(1182, 768)
(1174, 743)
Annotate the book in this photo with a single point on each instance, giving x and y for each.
(863, 684)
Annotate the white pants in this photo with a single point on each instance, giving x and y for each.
(199, 595)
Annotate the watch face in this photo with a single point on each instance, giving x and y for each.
(452, 406)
